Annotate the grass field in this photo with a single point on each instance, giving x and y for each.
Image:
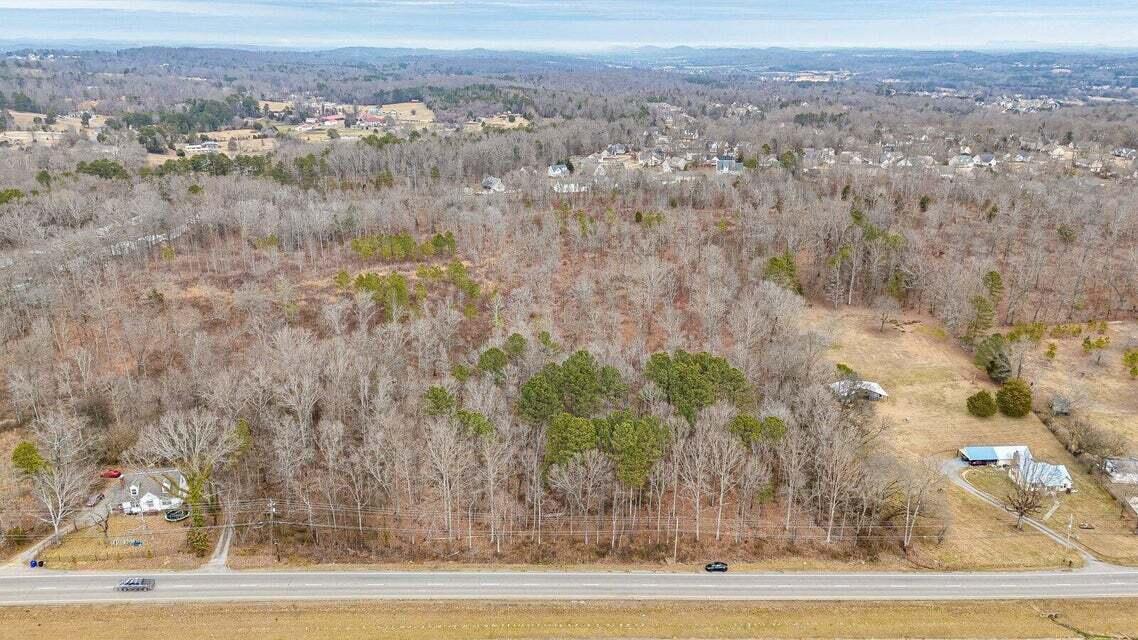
(474, 620)
(27, 120)
(275, 105)
(499, 121)
(983, 538)
(1111, 394)
(1110, 531)
(929, 378)
(409, 112)
(163, 546)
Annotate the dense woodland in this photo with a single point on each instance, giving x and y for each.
(338, 340)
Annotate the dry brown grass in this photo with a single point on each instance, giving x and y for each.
(470, 620)
(929, 378)
(498, 121)
(1111, 394)
(27, 120)
(261, 558)
(410, 112)
(163, 546)
(982, 538)
(275, 105)
(26, 138)
(1111, 536)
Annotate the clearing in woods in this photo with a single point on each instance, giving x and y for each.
(929, 377)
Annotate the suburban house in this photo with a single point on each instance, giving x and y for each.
(847, 389)
(984, 160)
(153, 491)
(1042, 475)
(961, 161)
(999, 456)
(616, 149)
(1121, 470)
(728, 164)
(558, 171)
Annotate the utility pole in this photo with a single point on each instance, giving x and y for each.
(273, 528)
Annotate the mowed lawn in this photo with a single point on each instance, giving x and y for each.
(163, 546)
(929, 377)
(476, 620)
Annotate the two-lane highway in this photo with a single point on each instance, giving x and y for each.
(75, 587)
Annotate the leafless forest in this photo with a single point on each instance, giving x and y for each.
(352, 350)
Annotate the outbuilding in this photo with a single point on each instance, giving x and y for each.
(999, 456)
(1121, 470)
(847, 389)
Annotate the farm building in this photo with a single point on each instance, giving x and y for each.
(1121, 470)
(846, 389)
(999, 456)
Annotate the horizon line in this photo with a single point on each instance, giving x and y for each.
(11, 45)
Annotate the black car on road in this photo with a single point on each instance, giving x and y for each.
(715, 567)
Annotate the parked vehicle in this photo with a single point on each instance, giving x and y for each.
(136, 584)
(176, 515)
(94, 499)
(716, 567)
(111, 473)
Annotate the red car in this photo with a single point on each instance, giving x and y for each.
(111, 473)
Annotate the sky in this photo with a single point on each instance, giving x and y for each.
(578, 25)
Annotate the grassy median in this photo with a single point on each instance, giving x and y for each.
(454, 620)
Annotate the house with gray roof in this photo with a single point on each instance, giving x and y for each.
(153, 491)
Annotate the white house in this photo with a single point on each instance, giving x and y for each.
(558, 171)
(1042, 475)
(153, 491)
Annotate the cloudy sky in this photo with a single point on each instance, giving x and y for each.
(578, 25)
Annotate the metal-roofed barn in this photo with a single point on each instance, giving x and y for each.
(1000, 456)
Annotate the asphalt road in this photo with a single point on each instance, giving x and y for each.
(62, 587)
